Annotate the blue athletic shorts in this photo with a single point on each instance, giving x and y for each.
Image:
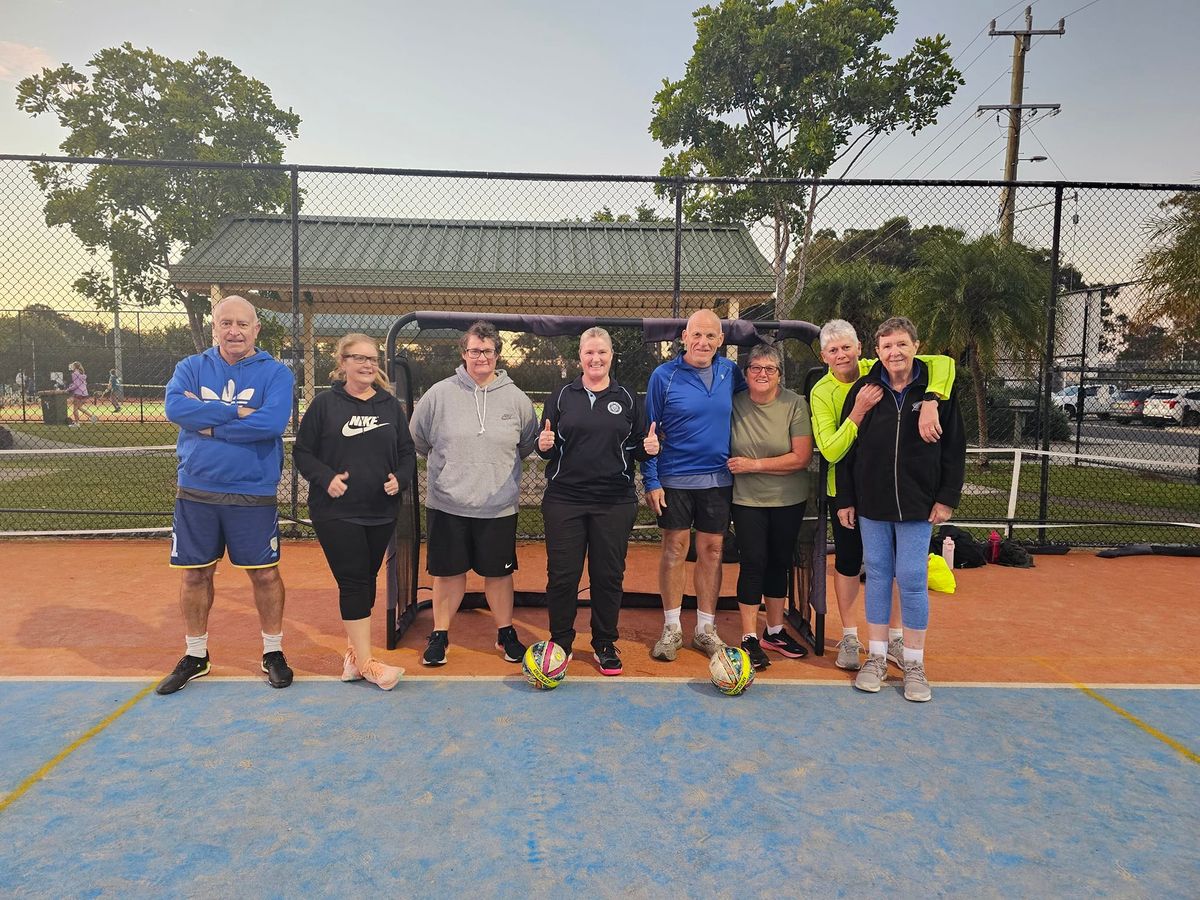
(202, 531)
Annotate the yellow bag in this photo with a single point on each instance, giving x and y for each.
(941, 579)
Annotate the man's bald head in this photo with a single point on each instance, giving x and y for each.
(235, 328)
(702, 337)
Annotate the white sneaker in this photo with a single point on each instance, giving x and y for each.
(668, 645)
(708, 641)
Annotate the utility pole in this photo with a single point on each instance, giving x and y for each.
(1016, 109)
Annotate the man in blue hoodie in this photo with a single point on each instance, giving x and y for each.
(690, 400)
(232, 404)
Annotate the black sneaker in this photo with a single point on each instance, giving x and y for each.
(754, 650)
(435, 649)
(185, 670)
(784, 644)
(609, 659)
(506, 640)
(279, 673)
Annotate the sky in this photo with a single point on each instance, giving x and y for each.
(552, 86)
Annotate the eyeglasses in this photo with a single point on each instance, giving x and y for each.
(763, 370)
(475, 353)
(361, 358)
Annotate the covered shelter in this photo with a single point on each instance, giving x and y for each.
(362, 273)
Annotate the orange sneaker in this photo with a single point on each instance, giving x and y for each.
(381, 674)
(350, 667)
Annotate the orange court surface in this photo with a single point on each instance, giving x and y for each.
(109, 608)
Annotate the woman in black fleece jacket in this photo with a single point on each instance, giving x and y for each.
(354, 448)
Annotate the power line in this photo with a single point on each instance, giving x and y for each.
(970, 134)
(1082, 8)
(932, 145)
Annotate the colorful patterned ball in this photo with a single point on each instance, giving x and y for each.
(730, 670)
(545, 665)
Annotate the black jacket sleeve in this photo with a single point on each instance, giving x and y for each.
(847, 494)
(638, 435)
(306, 451)
(954, 452)
(550, 414)
(406, 454)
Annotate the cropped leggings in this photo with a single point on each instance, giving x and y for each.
(354, 553)
(899, 551)
(766, 540)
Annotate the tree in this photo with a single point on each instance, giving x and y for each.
(788, 91)
(1173, 265)
(974, 300)
(140, 105)
(858, 291)
(641, 213)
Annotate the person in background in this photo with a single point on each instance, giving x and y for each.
(474, 427)
(834, 434)
(78, 391)
(354, 448)
(593, 430)
(894, 486)
(114, 391)
(770, 448)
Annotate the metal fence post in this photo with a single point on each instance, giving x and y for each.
(295, 210)
(678, 246)
(1047, 380)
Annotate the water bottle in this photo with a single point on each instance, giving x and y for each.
(948, 551)
(993, 546)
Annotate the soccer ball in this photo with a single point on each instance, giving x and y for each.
(730, 670)
(545, 665)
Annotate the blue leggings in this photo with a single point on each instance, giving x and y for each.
(900, 551)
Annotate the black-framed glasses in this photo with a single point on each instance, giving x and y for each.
(476, 353)
(361, 358)
(763, 370)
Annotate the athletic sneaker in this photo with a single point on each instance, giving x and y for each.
(668, 645)
(435, 649)
(754, 650)
(279, 673)
(848, 649)
(506, 640)
(185, 670)
(872, 675)
(784, 644)
(895, 652)
(916, 685)
(608, 658)
(708, 641)
(381, 674)
(350, 670)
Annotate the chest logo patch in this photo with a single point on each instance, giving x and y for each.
(615, 408)
(361, 425)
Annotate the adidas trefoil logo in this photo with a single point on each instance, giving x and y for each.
(229, 394)
(361, 425)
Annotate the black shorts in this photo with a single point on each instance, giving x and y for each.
(707, 509)
(459, 543)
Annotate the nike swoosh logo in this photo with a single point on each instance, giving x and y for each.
(349, 430)
(508, 565)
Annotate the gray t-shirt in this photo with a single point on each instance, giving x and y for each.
(760, 432)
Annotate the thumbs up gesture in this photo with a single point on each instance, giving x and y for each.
(650, 444)
(337, 484)
(546, 438)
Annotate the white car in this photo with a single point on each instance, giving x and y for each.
(1173, 406)
(1097, 399)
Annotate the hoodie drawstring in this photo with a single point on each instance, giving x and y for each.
(482, 427)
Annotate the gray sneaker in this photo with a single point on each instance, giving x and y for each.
(848, 649)
(895, 652)
(872, 675)
(708, 641)
(916, 685)
(668, 645)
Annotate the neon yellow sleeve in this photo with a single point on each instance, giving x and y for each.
(832, 439)
(941, 373)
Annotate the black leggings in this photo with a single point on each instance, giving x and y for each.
(354, 553)
(766, 539)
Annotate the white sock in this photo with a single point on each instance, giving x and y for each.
(197, 646)
(850, 632)
(895, 634)
(671, 616)
(774, 629)
(877, 648)
(703, 618)
(272, 642)
(911, 655)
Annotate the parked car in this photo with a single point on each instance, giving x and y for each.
(1097, 399)
(1173, 406)
(1127, 405)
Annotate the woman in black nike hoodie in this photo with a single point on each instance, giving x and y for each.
(354, 448)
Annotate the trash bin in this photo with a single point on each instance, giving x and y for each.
(54, 407)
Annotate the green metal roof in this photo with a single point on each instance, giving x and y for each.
(448, 254)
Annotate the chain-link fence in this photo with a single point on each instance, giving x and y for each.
(1088, 437)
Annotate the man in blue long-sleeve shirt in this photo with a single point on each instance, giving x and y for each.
(232, 404)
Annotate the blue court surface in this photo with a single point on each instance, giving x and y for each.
(608, 788)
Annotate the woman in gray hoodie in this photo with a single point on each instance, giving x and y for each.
(474, 428)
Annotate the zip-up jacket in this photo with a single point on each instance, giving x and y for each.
(243, 455)
(889, 473)
(597, 438)
(474, 438)
(833, 433)
(693, 421)
(367, 438)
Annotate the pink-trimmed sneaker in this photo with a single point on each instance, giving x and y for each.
(387, 677)
(350, 667)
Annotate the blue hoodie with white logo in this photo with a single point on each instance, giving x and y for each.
(243, 455)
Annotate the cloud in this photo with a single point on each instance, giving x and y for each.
(18, 60)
